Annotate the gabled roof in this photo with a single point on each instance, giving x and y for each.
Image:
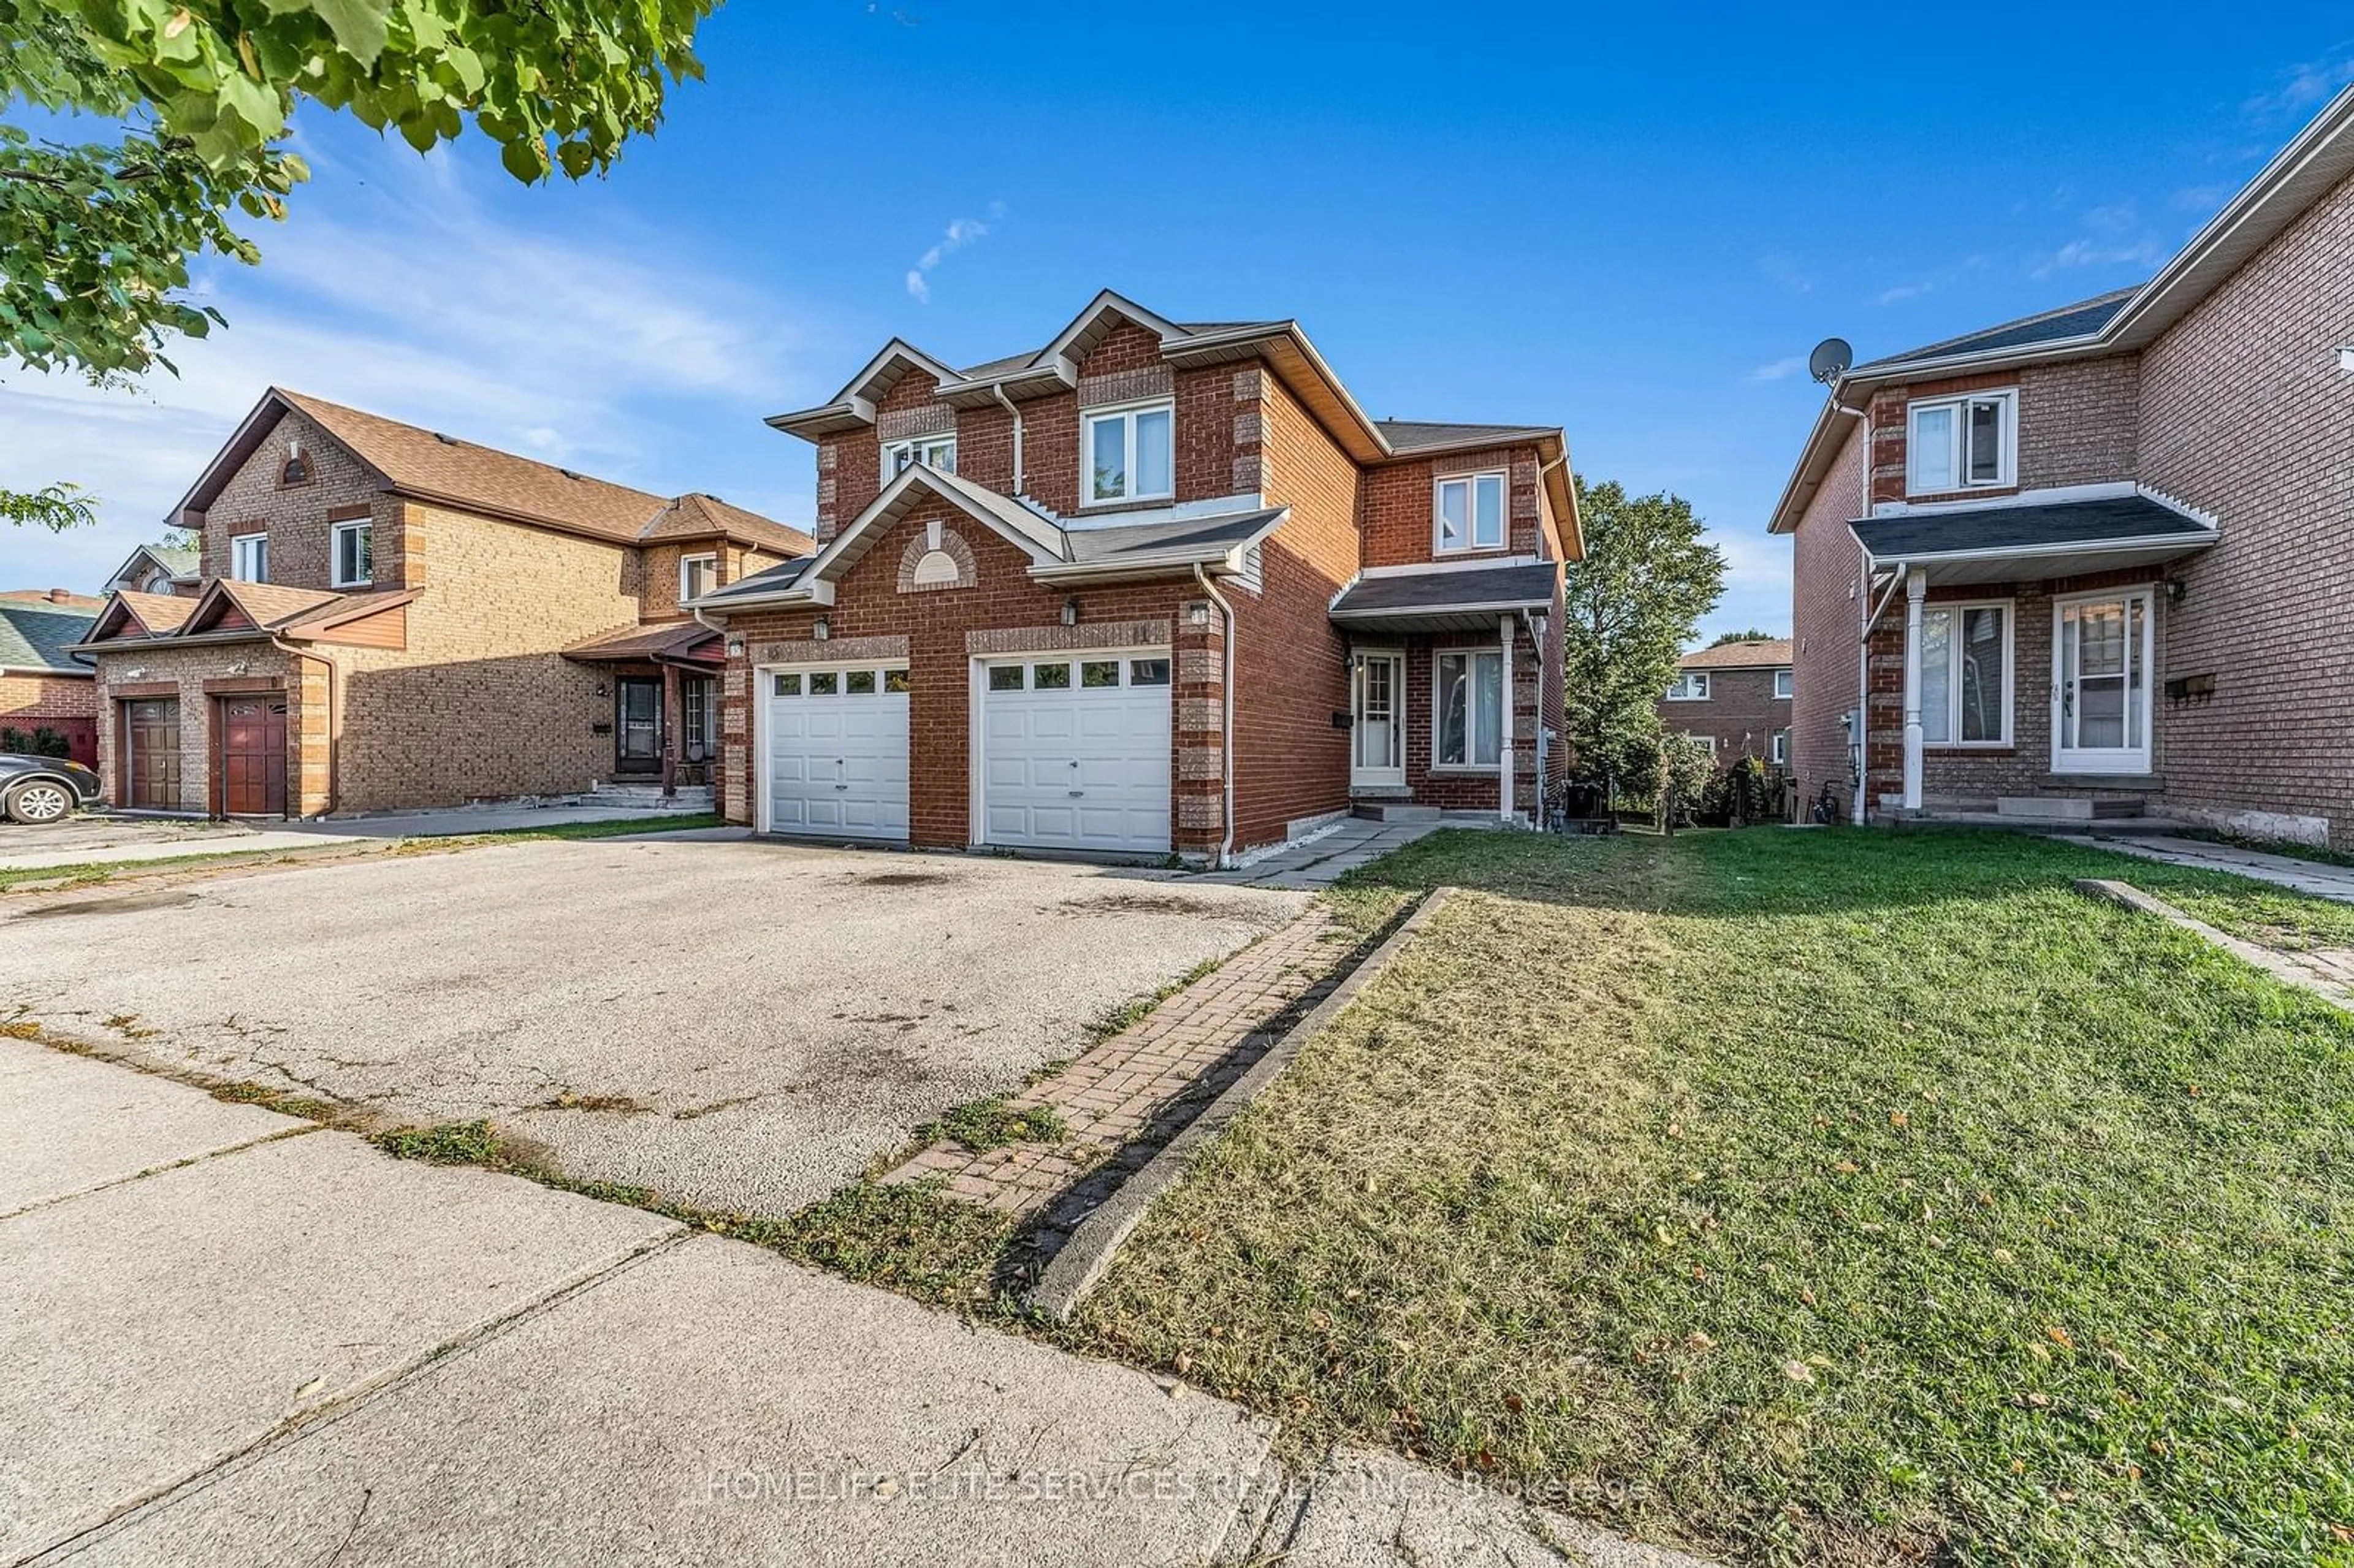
(1770, 653)
(37, 636)
(427, 465)
(699, 516)
(259, 606)
(232, 611)
(56, 598)
(155, 614)
(159, 558)
(2309, 167)
(1414, 437)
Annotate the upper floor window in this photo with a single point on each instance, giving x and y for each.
(1692, 687)
(698, 576)
(1469, 512)
(354, 553)
(1962, 444)
(1782, 683)
(296, 469)
(1130, 453)
(932, 452)
(249, 558)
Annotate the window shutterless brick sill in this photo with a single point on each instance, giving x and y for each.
(1969, 750)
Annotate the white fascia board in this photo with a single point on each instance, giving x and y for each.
(2057, 548)
(2054, 496)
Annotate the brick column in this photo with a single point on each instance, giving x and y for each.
(1198, 799)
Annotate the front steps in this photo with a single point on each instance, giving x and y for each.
(636, 796)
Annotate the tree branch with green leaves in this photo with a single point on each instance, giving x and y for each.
(97, 237)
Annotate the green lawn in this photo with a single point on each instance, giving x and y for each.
(1804, 1196)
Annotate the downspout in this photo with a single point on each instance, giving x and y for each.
(1861, 737)
(335, 724)
(1537, 653)
(1226, 716)
(998, 389)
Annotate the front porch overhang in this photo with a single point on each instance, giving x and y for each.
(1457, 598)
(2001, 543)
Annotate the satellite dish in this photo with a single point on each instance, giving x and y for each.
(1830, 359)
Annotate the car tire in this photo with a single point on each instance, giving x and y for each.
(37, 802)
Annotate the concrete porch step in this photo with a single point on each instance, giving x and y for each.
(1393, 811)
(2065, 807)
(650, 797)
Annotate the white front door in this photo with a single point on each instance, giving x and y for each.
(2101, 684)
(1377, 738)
(1074, 751)
(833, 757)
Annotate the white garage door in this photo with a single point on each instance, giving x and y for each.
(1074, 751)
(836, 756)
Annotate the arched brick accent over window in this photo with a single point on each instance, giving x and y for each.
(936, 559)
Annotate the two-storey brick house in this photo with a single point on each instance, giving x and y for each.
(384, 616)
(1154, 588)
(1736, 697)
(2096, 561)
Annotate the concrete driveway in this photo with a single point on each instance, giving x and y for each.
(739, 1025)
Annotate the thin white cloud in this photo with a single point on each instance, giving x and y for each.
(1780, 369)
(961, 232)
(405, 296)
(2302, 87)
(2097, 253)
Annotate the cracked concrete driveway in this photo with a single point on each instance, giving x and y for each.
(736, 1025)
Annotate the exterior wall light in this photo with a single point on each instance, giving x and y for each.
(822, 630)
(1071, 610)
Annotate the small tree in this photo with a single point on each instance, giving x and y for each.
(1685, 768)
(1751, 635)
(1633, 602)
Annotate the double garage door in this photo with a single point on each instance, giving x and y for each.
(1072, 751)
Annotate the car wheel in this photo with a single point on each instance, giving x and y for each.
(38, 801)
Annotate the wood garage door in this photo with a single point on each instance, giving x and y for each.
(253, 756)
(1074, 751)
(151, 761)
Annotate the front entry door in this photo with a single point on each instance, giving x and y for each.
(1377, 738)
(151, 748)
(253, 756)
(2101, 684)
(637, 730)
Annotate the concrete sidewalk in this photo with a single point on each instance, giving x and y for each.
(234, 1338)
(2319, 878)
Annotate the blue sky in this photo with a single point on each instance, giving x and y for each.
(1634, 226)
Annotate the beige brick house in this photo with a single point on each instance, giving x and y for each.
(386, 617)
(2097, 561)
(1155, 587)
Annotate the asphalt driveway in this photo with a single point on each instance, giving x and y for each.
(740, 1025)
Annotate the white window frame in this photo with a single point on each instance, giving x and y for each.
(1473, 652)
(1953, 741)
(1785, 684)
(336, 551)
(1689, 686)
(249, 556)
(1777, 749)
(932, 452)
(1957, 447)
(686, 565)
(1470, 483)
(1130, 413)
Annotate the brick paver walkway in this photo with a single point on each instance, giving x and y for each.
(1189, 1046)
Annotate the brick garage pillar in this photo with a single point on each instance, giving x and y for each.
(1198, 792)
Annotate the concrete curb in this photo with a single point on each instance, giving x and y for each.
(2273, 964)
(1084, 1260)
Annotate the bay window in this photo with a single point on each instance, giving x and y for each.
(1129, 454)
(1965, 676)
(1469, 711)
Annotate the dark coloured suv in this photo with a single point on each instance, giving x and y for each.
(43, 789)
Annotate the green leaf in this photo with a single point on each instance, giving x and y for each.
(358, 26)
(526, 160)
(469, 66)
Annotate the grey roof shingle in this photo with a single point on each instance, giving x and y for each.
(1210, 536)
(1413, 435)
(1020, 361)
(767, 580)
(1999, 527)
(35, 637)
(1481, 587)
(2079, 320)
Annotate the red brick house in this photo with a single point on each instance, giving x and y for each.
(2093, 562)
(43, 686)
(1154, 588)
(1736, 697)
(383, 618)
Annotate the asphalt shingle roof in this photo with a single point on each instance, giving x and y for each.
(1770, 653)
(36, 636)
(1482, 587)
(1998, 527)
(2079, 320)
(768, 580)
(1413, 435)
(1208, 536)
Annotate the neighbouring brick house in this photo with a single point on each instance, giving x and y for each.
(1736, 697)
(43, 686)
(385, 617)
(2096, 561)
(1154, 588)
